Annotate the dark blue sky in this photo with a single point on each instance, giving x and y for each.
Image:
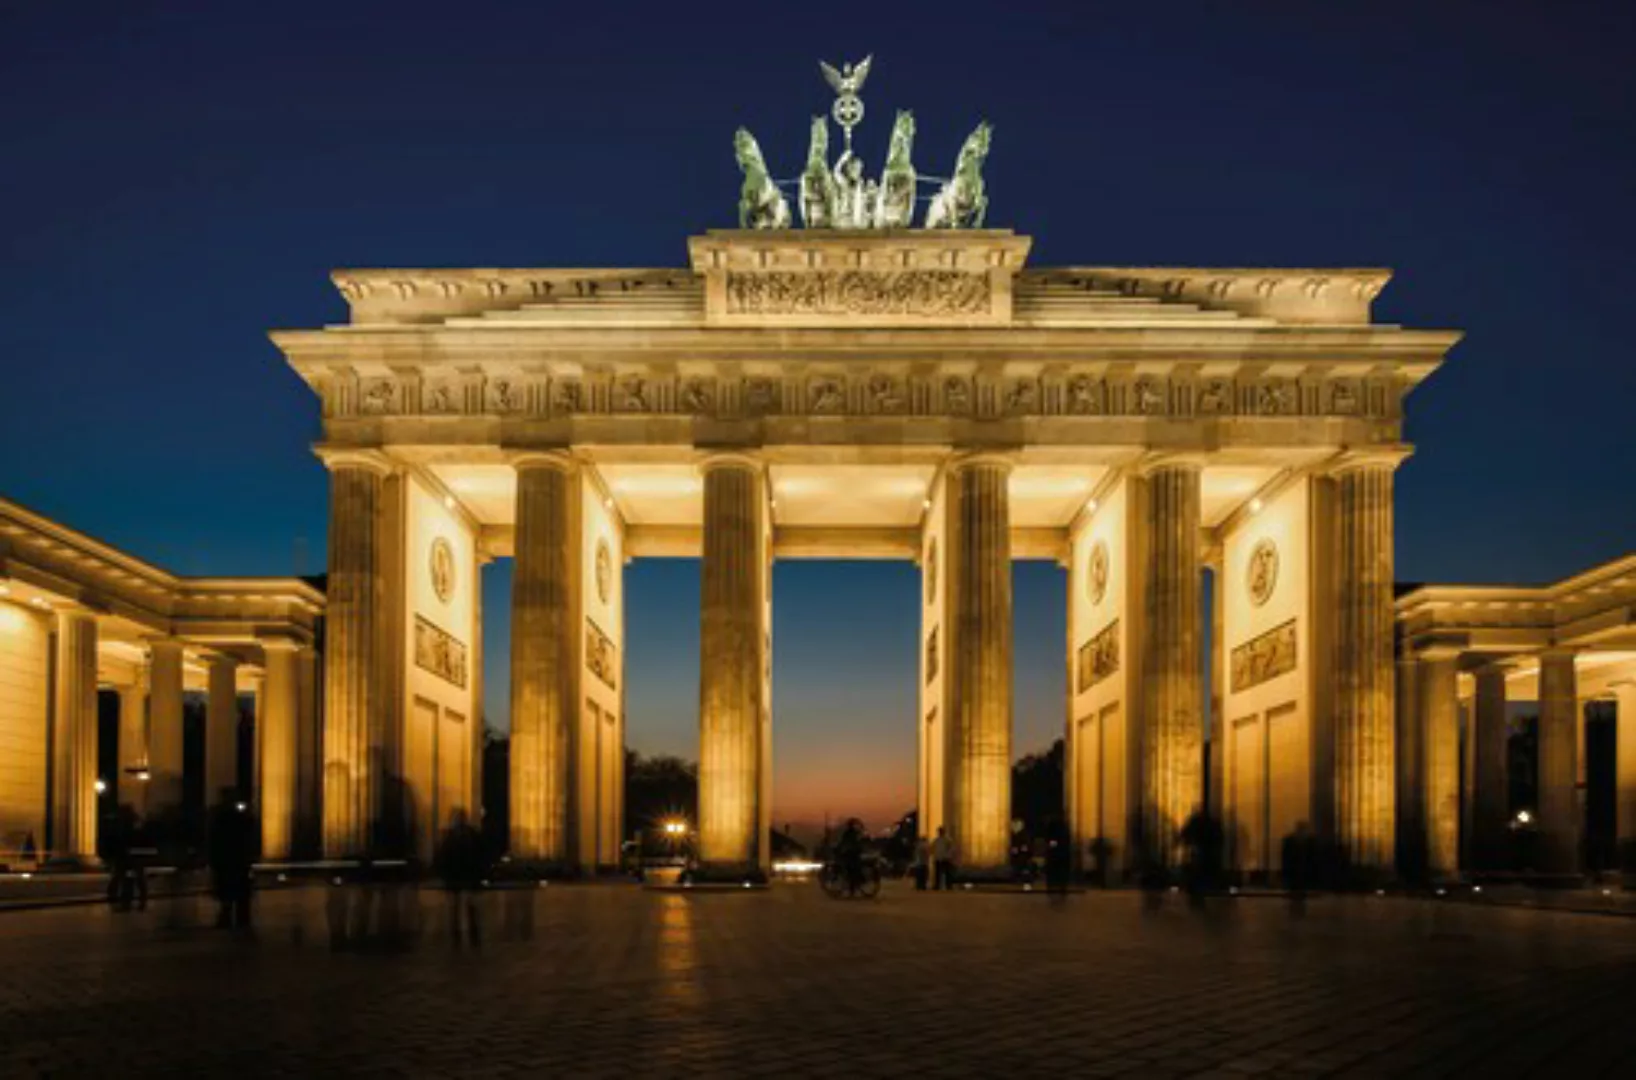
(181, 177)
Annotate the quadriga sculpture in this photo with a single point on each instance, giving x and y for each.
(760, 204)
(895, 202)
(818, 203)
(962, 202)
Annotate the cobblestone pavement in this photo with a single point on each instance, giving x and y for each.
(617, 981)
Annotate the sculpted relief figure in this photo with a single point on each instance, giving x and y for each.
(1022, 396)
(698, 396)
(828, 396)
(895, 201)
(883, 393)
(760, 204)
(1215, 396)
(962, 202)
(957, 395)
(817, 185)
(761, 394)
(1149, 397)
(634, 393)
(1082, 396)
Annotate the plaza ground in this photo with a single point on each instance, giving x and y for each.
(616, 980)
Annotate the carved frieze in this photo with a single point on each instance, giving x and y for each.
(885, 394)
(698, 396)
(379, 396)
(505, 396)
(925, 293)
(601, 656)
(439, 652)
(1265, 657)
(631, 394)
(1151, 396)
(1022, 396)
(566, 396)
(826, 395)
(1084, 395)
(1215, 397)
(957, 395)
(761, 395)
(1275, 397)
(1098, 657)
(440, 397)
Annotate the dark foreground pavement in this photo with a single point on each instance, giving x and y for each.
(616, 981)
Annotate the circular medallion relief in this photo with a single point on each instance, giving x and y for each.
(931, 572)
(1261, 576)
(604, 570)
(1096, 572)
(442, 568)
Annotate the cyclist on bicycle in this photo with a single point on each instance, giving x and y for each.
(849, 854)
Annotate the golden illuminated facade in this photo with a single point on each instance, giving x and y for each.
(915, 395)
(78, 617)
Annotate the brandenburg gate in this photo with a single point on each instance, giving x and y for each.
(868, 388)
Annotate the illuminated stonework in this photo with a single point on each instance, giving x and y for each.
(903, 394)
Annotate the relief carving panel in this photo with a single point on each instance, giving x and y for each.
(438, 651)
(1265, 657)
(1098, 657)
(927, 293)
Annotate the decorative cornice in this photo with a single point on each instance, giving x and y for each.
(338, 458)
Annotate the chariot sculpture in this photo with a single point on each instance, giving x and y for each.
(841, 195)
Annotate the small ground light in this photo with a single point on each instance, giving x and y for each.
(101, 785)
(1524, 817)
(1607, 892)
(747, 885)
(1380, 892)
(1476, 888)
(1232, 890)
(242, 807)
(1442, 892)
(283, 877)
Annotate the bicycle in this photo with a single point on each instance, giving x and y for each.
(834, 880)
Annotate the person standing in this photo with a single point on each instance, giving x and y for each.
(461, 864)
(922, 862)
(942, 860)
(232, 858)
(1058, 860)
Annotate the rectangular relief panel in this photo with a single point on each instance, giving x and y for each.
(1264, 658)
(601, 655)
(439, 652)
(1099, 657)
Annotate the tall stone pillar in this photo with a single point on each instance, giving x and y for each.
(1560, 815)
(221, 728)
(74, 741)
(544, 659)
(1172, 721)
(1437, 729)
(1365, 795)
(978, 614)
(354, 651)
(165, 728)
(732, 687)
(309, 771)
(1489, 782)
(277, 750)
(1218, 688)
(133, 746)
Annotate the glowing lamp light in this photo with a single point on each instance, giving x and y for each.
(675, 828)
(1090, 506)
(1524, 817)
(241, 807)
(101, 785)
(448, 502)
(1256, 504)
(144, 775)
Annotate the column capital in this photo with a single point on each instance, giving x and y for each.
(973, 458)
(1355, 459)
(1155, 460)
(280, 644)
(560, 460)
(731, 459)
(336, 458)
(162, 643)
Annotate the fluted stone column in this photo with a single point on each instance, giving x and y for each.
(544, 657)
(221, 728)
(74, 742)
(354, 648)
(1365, 738)
(1218, 688)
(309, 812)
(1560, 816)
(732, 652)
(979, 673)
(1489, 782)
(277, 754)
(164, 727)
(1437, 728)
(1172, 719)
(133, 746)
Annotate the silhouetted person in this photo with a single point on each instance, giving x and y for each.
(942, 860)
(1058, 857)
(462, 865)
(232, 853)
(127, 874)
(1298, 852)
(1203, 838)
(922, 862)
(849, 854)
